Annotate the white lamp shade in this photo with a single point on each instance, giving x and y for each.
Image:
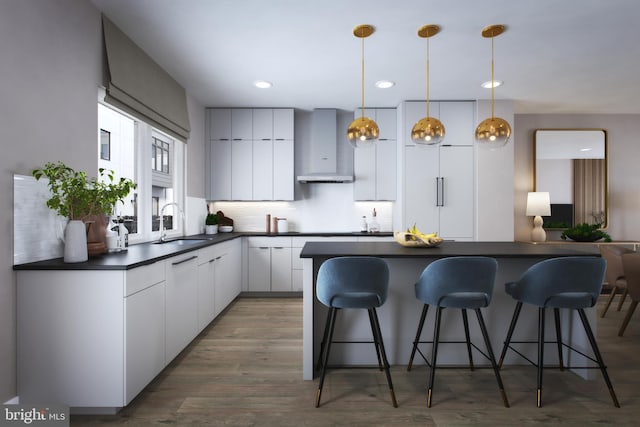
(538, 204)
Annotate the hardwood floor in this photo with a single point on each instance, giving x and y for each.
(246, 369)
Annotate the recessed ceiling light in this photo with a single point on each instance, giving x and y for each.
(585, 149)
(262, 84)
(488, 84)
(384, 84)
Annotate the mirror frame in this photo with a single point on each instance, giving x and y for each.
(605, 222)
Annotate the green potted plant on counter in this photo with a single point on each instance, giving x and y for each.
(585, 233)
(83, 201)
(211, 224)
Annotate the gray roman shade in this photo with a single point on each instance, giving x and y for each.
(141, 87)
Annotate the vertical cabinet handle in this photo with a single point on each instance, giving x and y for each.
(437, 191)
(442, 191)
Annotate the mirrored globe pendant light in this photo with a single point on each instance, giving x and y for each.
(363, 131)
(493, 132)
(428, 130)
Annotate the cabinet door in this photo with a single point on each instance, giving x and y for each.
(219, 124)
(421, 171)
(386, 120)
(241, 124)
(181, 303)
(262, 124)
(458, 118)
(283, 124)
(206, 291)
(242, 170)
(228, 275)
(145, 338)
(456, 212)
(283, 178)
(219, 170)
(262, 170)
(259, 269)
(385, 165)
(364, 168)
(281, 269)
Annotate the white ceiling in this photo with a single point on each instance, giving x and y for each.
(557, 56)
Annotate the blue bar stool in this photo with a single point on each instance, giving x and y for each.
(570, 282)
(353, 282)
(464, 282)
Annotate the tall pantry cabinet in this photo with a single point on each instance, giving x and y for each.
(438, 181)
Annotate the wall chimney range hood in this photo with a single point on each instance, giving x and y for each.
(323, 161)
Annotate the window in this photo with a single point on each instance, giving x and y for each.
(132, 143)
(105, 145)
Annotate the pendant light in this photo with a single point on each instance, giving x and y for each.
(493, 132)
(363, 131)
(428, 130)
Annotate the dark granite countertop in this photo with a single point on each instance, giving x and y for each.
(149, 252)
(446, 249)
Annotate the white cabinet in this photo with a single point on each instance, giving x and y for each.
(375, 166)
(438, 181)
(207, 258)
(181, 302)
(251, 156)
(144, 328)
(269, 264)
(228, 273)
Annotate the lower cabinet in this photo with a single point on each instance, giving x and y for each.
(181, 303)
(269, 264)
(95, 338)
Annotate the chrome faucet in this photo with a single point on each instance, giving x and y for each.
(163, 232)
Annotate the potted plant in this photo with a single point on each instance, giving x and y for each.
(211, 224)
(83, 201)
(585, 233)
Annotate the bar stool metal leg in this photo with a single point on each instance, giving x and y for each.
(492, 357)
(383, 354)
(434, 355)
(327, 348)
(556, 315)
(377, 344)
(596, 352)
(324, 339)
(512, 326)
(541, 313)
(423, 317)
(465, 321)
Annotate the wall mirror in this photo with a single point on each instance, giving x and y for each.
(571, 164)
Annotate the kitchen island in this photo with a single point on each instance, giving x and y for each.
(399, 315)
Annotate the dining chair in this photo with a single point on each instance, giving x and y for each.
(631, 265)
(614, 275)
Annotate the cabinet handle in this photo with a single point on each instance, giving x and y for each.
(437, 191)
(263, 247)
(212, 260)
(280, 139)
(442, 192)
(237, 139)
(184, 260)
(218, 257)
(266, 139)
(278, 247)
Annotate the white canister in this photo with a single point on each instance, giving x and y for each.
(283, 225)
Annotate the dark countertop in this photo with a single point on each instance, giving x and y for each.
(147, 253)
(446, 249)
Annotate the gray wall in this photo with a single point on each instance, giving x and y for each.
(624, 174)
(51, 68)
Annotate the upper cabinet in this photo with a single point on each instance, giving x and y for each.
(375, 167)
(250, 154)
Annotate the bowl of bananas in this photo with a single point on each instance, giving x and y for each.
(413, 237)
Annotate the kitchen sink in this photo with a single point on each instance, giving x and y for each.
(181, 242)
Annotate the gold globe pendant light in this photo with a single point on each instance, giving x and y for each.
(363, 131)
(493, 132)
(428, 130)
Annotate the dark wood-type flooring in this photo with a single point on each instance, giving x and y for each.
(245, 369)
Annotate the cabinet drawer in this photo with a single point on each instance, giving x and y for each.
(140, 278)
(269, 242)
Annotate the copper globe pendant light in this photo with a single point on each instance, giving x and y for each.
(363, 131)
(493, 132)
(428, 130)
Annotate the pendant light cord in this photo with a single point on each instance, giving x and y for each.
(493, 82)
(428, 77)
(362, 37)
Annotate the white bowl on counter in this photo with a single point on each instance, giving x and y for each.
(225, 228)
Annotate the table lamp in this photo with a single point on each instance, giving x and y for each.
(538, 204)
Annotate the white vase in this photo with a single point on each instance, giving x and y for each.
(211, 229)
(75, 242)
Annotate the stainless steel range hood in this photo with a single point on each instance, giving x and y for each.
(323, 161)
